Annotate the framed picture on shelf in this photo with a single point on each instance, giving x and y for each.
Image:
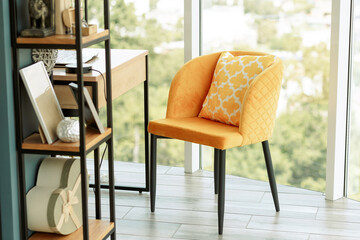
(43, 99)
(91, 116)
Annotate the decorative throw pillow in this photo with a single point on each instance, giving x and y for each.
(232, 77)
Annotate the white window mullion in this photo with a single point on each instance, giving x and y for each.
(191, 50)
(339, 72)
(191, 29)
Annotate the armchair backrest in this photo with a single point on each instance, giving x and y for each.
(192, 82)
(190, 86)
(258, 112)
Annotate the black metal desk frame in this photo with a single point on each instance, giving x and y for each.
(70, 112)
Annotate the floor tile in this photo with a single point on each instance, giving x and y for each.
(208, 233)
(187, 217)
(327, 237)
(305, 226)
(260, 209)
(336, 214)
(120, 211)
(146, 228)
(134, 237)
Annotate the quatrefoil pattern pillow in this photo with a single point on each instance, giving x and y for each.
(232, 78)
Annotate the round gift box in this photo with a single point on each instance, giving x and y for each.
(54, 204)
(47, 211)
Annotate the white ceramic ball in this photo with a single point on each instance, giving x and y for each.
(68, 130)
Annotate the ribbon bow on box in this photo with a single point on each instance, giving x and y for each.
(69, 199)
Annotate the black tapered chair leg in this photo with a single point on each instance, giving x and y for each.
(216, 170)
(221, 196)
(271, 176)
(153, 172)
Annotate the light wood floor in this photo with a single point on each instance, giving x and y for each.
(186, 208)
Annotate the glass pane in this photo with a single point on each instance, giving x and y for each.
(157, 26)
(298, 31)
(354, 126)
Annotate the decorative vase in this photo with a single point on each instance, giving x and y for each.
(68, 130)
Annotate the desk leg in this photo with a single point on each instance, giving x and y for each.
(146, 134)
(97, 183)
(97, 166)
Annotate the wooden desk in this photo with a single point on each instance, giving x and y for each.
(128, 69)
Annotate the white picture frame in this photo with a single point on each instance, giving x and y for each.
(43, 99)
(91, 116)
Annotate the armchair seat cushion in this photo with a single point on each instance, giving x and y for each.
(198, 130)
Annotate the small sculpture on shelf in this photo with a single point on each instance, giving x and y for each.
(38, 10)
(41, 19)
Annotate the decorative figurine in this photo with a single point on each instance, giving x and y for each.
(42, 18)
(38, 10)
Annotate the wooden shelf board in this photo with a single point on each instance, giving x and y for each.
(33, 142)
(98, 229)
(62, 39)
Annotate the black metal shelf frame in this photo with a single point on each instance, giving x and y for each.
(82, 151)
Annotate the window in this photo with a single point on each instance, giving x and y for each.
(298, 31)
(353, 187)
(155, 25)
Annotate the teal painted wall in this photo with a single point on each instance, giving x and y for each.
(8, 173)
(8, 166)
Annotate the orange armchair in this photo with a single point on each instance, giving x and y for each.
(258, 111)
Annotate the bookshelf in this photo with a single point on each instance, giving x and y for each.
(90, 140)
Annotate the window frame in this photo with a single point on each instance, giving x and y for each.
(340, 56)
(192, 31)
